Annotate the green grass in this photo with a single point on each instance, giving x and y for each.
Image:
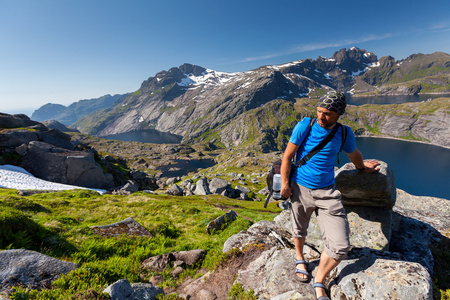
(58, 224)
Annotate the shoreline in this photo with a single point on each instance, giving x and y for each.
(400, 139)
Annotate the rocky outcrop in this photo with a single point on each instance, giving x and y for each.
(56, 164)
(389, 259)
(30, 269)
(49, 154)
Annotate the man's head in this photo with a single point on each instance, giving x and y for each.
(329, 108)
(334, 101)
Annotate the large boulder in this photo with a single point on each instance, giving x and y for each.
(17, 137)
(30, 269)
(60, 165)
(202, 187)
(380, 275)
(218, 185)
(364, 189)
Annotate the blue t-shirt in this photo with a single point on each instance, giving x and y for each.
(318, 172)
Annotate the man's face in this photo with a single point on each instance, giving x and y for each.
(326, 118)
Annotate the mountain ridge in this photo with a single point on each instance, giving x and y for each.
(196, 102)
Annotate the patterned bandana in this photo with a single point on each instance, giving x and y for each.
(334, 101)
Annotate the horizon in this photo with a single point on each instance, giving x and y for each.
(65, 52)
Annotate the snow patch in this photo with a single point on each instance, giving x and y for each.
(209, 77)
(13, 177)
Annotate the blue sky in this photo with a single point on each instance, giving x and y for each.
(54, 51)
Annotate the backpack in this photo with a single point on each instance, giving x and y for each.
(276, 167)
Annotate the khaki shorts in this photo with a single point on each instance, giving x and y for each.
(331, 217)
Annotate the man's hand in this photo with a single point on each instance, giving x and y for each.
(286, 191)
(371, 166)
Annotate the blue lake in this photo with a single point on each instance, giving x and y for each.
(419, 169)
(390, 99)
(146, 136)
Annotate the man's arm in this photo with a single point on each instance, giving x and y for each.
(369, 166)
(285, 170)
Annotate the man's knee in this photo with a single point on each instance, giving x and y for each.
(340, 253)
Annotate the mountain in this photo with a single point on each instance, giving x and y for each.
(75, 111)
(206, 105)
(192, 100)
(418, 73)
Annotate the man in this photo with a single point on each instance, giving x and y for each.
(312, 187)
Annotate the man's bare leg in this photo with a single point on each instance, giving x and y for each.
(299, 243)
(326, 264)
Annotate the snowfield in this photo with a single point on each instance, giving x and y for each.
(12, 177)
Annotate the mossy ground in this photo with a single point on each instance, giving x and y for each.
(58, 224)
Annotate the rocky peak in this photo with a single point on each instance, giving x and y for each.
(354, 59)
(387, 62)
(192, 69)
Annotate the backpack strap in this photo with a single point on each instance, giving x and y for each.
(318, 147)
(344, 138)
(277, 165)
(311, 124)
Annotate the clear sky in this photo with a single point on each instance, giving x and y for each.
(62, 51)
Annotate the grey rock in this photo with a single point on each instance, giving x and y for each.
(128, 188)
(218, 185)
(380, 278)
(128, 226)
(177, 271)
(206, 295)
(219, 222)
(242, 189)
(175, 190)
(60, 165)
(21, 150)
(263, 232)
(202, 187)
(272, 274)
(368, 190)
(120, 290)
(56, 138)
(30, 269)
(171, 180)
(157, 263)
(146, 291)
(17, 137)
(430, 210)
(16, 121)
(190, 257)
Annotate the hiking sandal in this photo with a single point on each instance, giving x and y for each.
(302, 262)
(320, 285)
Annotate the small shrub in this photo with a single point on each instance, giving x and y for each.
(237, 292)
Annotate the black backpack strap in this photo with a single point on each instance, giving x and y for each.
(344, 138)
(318, 147)
(311, 124)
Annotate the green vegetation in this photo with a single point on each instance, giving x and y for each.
(441, 280)
(237, 292)
(58, 224)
